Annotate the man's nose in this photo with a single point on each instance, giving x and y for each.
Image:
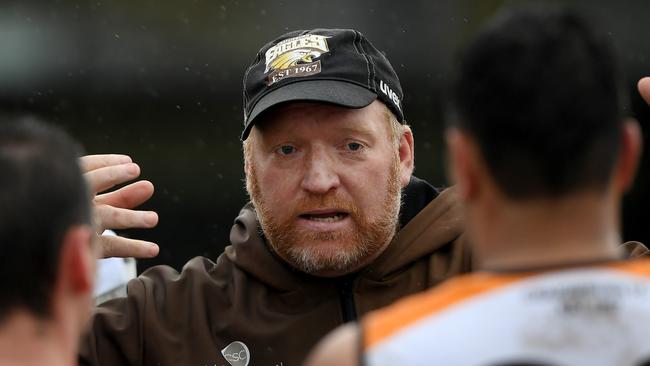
(320, 175)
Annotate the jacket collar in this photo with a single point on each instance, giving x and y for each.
(428, 219)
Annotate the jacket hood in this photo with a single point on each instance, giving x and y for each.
(438, 224)
(429, 220)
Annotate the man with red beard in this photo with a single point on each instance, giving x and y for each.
(337, 225)
(318, 218)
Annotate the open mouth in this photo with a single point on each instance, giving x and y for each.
(329, 216)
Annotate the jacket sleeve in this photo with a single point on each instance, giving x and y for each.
(115, 335)
(463, 259)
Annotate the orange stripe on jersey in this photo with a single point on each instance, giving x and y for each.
(382, 323)
(639, 267)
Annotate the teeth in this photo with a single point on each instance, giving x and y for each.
(327, 218)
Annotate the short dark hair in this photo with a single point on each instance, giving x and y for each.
(42, 194)
(539, 92)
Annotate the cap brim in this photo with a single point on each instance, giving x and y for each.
(336, 92)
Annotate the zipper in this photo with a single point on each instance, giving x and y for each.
(348, 310)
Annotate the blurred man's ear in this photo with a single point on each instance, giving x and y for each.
(463, 163)
(629, 154)
(406, 155)
(78, 260)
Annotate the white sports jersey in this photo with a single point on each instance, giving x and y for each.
(596, 315)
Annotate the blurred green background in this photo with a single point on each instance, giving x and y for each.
(161, 81)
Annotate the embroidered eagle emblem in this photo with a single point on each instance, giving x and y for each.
(293, 58)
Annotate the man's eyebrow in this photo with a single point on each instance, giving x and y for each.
(358, 130)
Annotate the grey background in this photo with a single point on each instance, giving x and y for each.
(161, 81)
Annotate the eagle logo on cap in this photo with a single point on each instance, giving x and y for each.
(293, 58)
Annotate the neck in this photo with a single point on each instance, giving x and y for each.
(510, 235)
(27, 340)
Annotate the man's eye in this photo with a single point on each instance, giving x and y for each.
(354, 146)
(287, 149)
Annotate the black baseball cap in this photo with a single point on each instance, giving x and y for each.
(337, 66)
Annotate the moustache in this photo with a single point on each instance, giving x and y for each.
(330, 202)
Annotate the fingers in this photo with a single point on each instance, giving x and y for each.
(644, 89)
(113, 210)
(107, 217)
(115, 246)
(92, 162)
(130, 196)
(104, 178)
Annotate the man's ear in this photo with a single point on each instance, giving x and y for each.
(629, 152)
(406, 155)
(462, 165)
(78, 260)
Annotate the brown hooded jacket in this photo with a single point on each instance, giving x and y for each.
(250, 308)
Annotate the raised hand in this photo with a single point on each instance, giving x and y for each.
(114, 210)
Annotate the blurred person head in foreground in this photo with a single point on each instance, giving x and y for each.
(47, 258)
(542, 157)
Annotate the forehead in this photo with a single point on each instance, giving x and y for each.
(292, 118)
